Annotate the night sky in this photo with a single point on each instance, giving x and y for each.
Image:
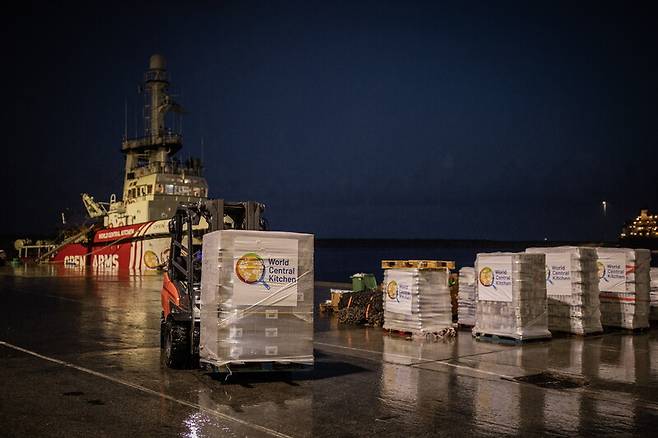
(493, 120)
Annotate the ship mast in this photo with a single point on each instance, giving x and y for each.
(154, 183)
(159, 141)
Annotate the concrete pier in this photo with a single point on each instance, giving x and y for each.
(80, 356)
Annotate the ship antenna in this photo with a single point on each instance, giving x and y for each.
(125, 118)
(136, 123)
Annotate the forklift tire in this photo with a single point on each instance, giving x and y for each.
(177, 345)
(163, 333)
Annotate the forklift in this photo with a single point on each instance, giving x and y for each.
(181, 288)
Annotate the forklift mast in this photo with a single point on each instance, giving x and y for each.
(182, 282)
(219, 215)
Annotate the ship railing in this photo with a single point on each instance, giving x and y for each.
(156, 75)
(152, 140)
(169, 167)
(57, 247)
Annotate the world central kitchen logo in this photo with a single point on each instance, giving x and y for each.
(392, 290)
(251, 269)
(486, 277)
(613, 272)
(495, 277)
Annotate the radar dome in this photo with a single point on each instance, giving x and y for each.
(157, 62)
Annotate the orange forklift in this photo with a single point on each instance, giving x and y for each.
(181, 288)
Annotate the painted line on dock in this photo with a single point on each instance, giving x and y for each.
(415, 361)
(466, 367)
(379, 353)
(146, 390)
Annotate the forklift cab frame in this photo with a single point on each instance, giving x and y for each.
(181, 289)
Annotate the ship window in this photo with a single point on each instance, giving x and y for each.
(169, 189)
(149, 189)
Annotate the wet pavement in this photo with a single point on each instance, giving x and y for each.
(80, 356)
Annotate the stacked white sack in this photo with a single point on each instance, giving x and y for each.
(572, 288)
(256, 297)
(653, 315)
(466, 297)
(624, 283)
(511, 296)
(417, 300)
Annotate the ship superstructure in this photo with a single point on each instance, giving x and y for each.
(133, 233)
(154, 182)
(644, 226)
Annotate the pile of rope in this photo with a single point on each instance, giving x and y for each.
(361, 308)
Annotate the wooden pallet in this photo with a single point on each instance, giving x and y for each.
(627, 331)
(579, 335)
(256, 367)
(327, 308)
(417, 264)
(506, 340)
(399, 333)
(415, 335)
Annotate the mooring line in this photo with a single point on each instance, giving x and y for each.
(146, 390)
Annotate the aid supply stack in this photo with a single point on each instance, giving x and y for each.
(572, 287)
(417, 296)
(624, 284)
(466, 300)
(256, 298)
(653, 315)
(511, 297)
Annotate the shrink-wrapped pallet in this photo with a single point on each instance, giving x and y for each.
(653, 315)
(417, 300)
(466, 297)
(624, 285)
(511, 296)
(572, 288)
(256, 298)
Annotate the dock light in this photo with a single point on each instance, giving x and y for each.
(604, 204)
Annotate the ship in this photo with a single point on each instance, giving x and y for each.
(132, 233)
(642, 231)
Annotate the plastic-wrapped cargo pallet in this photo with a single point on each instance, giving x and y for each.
(624, 283)
(572, 288)
(653, 315)
(417, 300)
(511, 296)
(466, 299)
(256, 298)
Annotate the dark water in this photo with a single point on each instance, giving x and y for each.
(336, 260)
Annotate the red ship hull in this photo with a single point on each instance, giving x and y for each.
(140, 248)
